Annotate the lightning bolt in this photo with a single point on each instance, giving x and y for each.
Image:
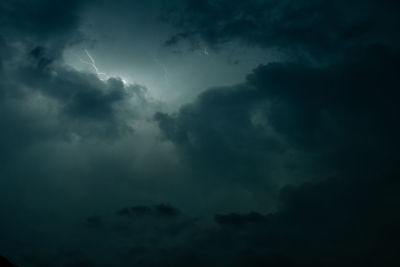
(92, 63)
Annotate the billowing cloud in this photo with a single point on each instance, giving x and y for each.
(294, 166)
(294, 112)
(162, 210)
(239, 220)
(317, 28)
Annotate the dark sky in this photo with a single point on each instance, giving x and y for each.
(199, 133)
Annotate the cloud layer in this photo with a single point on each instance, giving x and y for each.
(295, 166)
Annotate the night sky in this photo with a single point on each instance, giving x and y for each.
(199, 133)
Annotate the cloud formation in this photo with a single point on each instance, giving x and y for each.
(314, 31)
(295, 166)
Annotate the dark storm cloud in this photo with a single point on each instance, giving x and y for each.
(337, 223)
(166, 210)
(82, 103)
(141, 236)
(239, 220)
(55, 118)
(49, 113)
(328, 111)
(340, 222)
(38, 54)
(344, 113)
(41, 19)
(42, 24)
(216, 134)
(342, 117)
(162, 210)
(334, 110)
(321, 140)
(83, 95)
(132, 211)
(94, 221)
(316, 27)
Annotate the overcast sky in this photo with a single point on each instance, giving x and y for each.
(199, 133)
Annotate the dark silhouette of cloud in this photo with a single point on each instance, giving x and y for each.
(162, 210)
(339, 114)
(136, 210)
(43, 18)
(94, 221)
(6, 263)
(318, 28)
(239, 220)
(166, 210)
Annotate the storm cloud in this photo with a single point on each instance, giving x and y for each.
(291, 160)
(313, 28)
